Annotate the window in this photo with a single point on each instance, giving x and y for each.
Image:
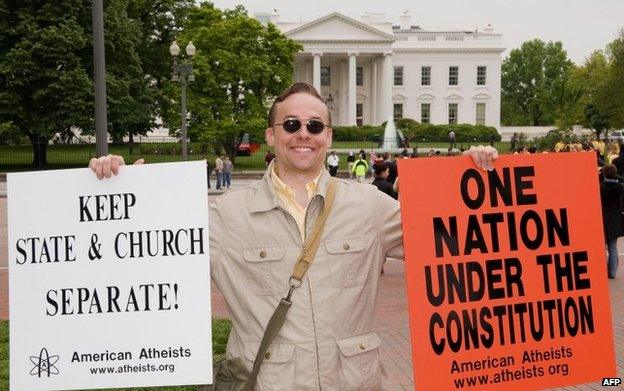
(359, 109)
(425, 76)
(359, 76)
(398, 76)
(398, 110)
(425, 113)
(452, 113)
(480, 114)
(453, 76)
(325, 76)
(481, 72)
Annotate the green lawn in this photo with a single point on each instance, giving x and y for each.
(19, 158)
(220, 332)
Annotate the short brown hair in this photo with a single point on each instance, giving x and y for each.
(297, 88)
(609, 171)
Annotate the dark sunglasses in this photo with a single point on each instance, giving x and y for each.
(292, 125)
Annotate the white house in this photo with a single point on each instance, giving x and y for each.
(369, 69)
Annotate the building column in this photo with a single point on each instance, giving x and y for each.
(351, 100)
(386, 88)
(373, 94)
(316, 71)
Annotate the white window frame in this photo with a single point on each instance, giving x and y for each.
(401, 76)
(456, 76)
(477, 104)
(430, 74)
(448, 109)
(421, 112)
(484, 76)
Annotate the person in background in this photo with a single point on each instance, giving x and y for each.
(219, 171)
(332, 163)
(393, 173)
(359, 169)
(208, 169)
(611, 196)
(228, 167)
(381, 179)
(268, 157)
(350, 163)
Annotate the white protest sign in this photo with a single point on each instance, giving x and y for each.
(109, 281)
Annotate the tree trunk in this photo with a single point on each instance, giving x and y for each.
(39, 145)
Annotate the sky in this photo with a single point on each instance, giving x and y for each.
(581, 25)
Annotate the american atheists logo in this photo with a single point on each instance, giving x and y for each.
(44, 364)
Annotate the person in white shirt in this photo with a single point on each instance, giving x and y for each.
(332, 163)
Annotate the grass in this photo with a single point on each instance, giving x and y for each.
(220, 332)
(19, 158)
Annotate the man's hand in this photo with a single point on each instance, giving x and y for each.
(105, 166)
(483, 156)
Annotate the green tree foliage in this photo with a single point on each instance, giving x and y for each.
(160, 22)
(613, 93)
(536, 88)
(44, 85)
(240, 64)
(591, 78)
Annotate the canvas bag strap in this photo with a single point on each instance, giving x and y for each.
(301, 267)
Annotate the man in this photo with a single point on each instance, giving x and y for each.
(359, 168)
(328, 340)
(228, 167)
(268, 157)
(452, 138)
(350, 163)
(332, 163)
(381, 179)
(219, 171)
(393, 173)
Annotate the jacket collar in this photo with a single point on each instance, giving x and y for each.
(265, 198)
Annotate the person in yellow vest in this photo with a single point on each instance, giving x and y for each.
(360, 167)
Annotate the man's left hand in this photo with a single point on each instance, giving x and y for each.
(483, 156)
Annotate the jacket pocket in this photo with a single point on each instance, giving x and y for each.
(359, 362)
(278, 368)
(265, 271)
(347, 262)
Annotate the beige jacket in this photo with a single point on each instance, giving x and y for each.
(329, 340)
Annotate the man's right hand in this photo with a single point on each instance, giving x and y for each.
(108, 165)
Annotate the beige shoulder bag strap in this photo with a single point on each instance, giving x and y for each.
(301, 267)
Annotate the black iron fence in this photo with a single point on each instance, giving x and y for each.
(248, 157)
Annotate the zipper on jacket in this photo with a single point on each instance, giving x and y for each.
(305, 228)
(318, 364)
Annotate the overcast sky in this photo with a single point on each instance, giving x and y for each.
(581, 25)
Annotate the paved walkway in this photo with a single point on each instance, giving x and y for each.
(391, 312)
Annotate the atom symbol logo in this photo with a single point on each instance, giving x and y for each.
(44, 364)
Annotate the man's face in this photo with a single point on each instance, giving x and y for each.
(301, 152)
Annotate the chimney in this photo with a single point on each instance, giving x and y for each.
(406, 20)
(366, 18)
(274, 17)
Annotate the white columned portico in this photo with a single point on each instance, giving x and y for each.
(373, 101)
(316, 70)
(351, 101)
(386, 88)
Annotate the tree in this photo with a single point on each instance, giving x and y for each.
(240, 64)
(535, 85)
(591, 79)
(44, 86)
(612, 95)
(160, 22)
(130, 94)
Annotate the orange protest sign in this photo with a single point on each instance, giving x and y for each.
(506, 272)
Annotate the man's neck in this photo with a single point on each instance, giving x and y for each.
(298, 182)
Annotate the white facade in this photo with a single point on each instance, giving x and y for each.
(342, 45)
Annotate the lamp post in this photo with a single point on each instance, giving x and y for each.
(183, 72)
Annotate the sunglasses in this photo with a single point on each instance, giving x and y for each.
(292, 125)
